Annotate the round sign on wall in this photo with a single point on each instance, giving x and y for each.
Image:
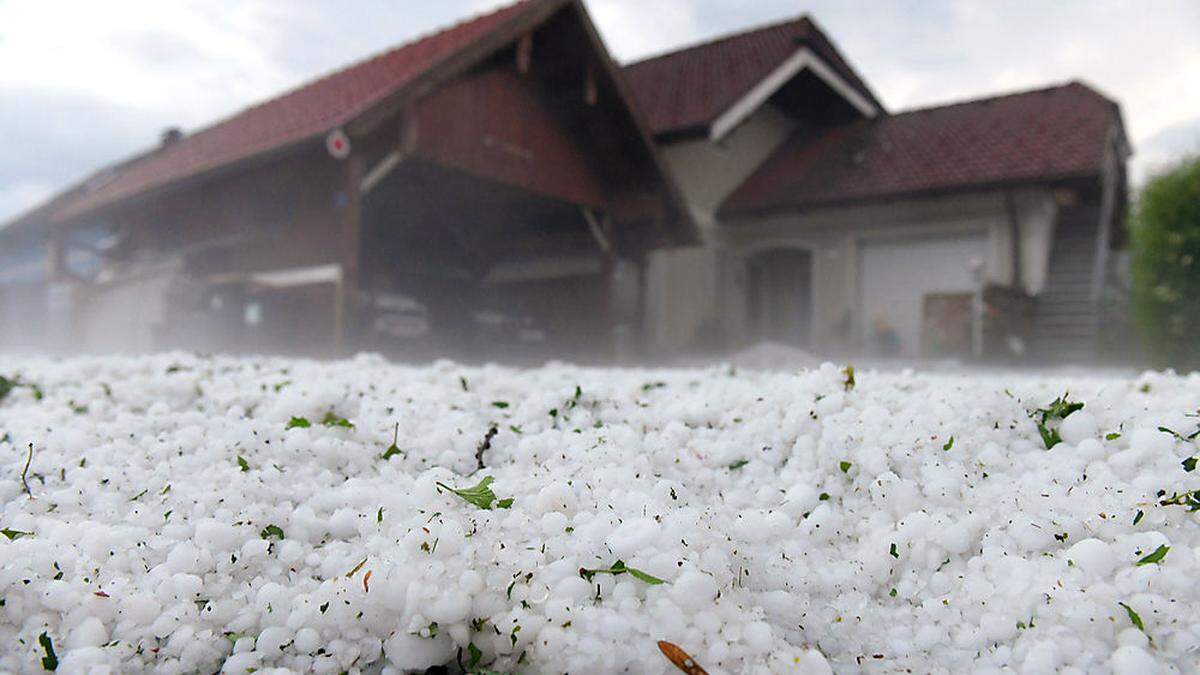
(338, 144)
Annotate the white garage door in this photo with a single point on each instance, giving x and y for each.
(896, 274)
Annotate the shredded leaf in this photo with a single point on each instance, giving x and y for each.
(1190, 500)
(393, 449)
(1189, 464)
(949, 444)
(1179, 436)
(1155, 557)
(1133, 617)
(845, 466)
(298, 423)
(848, 375)
(242, 463)
(271, 531)
(738, 464)
(50, 660)
(332, 420)
(1059, 409)
(357, 567)
(476, 655)
(14, 535)
(481, 495)
(618, 568)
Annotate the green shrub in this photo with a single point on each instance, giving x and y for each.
(1166, 266)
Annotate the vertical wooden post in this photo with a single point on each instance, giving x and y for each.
(56, 258)
(349, 249)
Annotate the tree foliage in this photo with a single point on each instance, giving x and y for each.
(1166, 266)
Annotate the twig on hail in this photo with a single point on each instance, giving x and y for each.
(25, 472)
(680, 658)
(484, 446)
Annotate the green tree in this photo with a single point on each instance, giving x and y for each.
(1166, 266)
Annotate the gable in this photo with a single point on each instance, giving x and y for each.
(685, 92)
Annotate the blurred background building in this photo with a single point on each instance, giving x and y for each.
(503, 190)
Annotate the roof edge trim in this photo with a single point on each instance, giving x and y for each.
(803, 58)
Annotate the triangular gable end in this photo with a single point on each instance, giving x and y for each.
(707, 89)
(678, 226)
(804, 59)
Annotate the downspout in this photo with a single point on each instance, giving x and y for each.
(1014, 233)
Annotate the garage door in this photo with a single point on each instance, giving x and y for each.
(898, 275)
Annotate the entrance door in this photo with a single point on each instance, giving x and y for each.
(781, 296)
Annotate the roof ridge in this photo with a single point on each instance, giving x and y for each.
(431, 34)
(687, 47)
(1011, 94)
(151, 151)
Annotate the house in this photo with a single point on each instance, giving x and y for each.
(489, 187)
(503, 188)
(977, 228)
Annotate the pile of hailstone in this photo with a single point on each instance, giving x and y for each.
(183, 513)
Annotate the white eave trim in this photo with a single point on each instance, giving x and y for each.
(803, 58)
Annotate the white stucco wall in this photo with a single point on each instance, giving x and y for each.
(683, 285)
(709, 172)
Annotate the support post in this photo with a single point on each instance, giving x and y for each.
(56, 258)
(348, 205)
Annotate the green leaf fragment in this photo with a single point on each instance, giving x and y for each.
(1190, 500)
(242, 463)
(357, 567)
(949, 444)
(298, 423)
(1112, 436)
(738, 464)
(618, 568)
(272, 531)
(394, 448)
(50, 660)
(1138, 517)
(1189, 464)
(14, 535)
(1133, 617)
(1059, 409)
(1155, 557)
(845, 466)
(331, 420)
(481, 495)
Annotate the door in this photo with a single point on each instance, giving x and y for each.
(780, 299)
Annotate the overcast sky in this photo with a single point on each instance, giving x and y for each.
(85, 83)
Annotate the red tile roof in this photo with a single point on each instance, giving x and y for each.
(688, 89)
(1054, 133)
(308, 112)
